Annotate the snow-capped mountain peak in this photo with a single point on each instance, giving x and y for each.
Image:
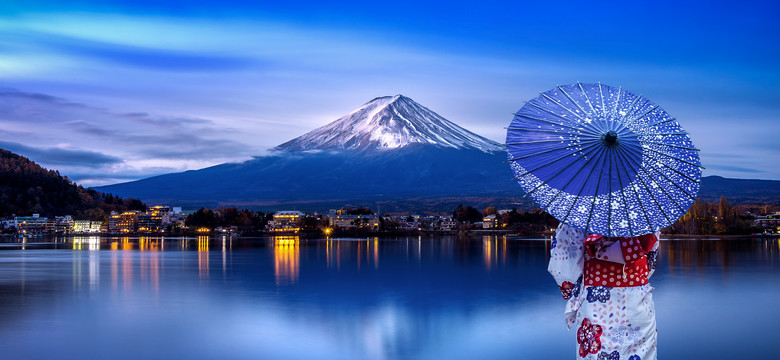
(389, 122)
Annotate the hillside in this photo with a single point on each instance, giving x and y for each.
(740, 191)
(421, 176)
(27, 188)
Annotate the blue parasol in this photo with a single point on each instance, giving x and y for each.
(603, 160)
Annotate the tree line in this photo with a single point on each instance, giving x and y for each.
(244, 220)
(26, 188)
(721, 218)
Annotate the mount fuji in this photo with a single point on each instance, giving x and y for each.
(391, 153)
(390, 122)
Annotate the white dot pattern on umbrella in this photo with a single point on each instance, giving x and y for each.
(603, 160)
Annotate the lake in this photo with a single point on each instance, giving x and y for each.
(406, 298)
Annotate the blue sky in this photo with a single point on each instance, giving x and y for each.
(109, 91)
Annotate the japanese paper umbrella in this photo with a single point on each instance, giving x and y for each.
(603, 160)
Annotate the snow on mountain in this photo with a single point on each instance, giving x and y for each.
(390, 122)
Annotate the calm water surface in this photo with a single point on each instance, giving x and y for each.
(408, 298)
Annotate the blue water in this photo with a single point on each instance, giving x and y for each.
(408, 298)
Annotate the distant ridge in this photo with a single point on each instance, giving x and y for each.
(740, 191)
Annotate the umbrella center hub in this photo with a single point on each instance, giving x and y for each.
(610, 138)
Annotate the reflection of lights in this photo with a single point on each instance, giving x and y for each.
(489, 250)
(203, 256)
(148, 244)
(376, 253)
(332, 247)
(503, 250)
(86, 242)
(286, 241)
(286, 259)
(126, 244)
(94, 268)
(203, 243)
(114, 266)
(224, 254)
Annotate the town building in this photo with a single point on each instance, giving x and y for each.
(125, 222)
(86, 226)
(770, 223)
(7, 223)
(489, 222)
(33, 224)
(344, 221)
(63, 224)
(446, 224)
(286, 221)
(409, 223)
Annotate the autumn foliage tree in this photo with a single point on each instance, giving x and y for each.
(244, 220)
(723, 218)
(26, 188)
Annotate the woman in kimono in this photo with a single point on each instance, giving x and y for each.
(605, 281)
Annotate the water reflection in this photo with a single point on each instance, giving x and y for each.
(86, 243)
(368, 298)
(203, 256)
(702, 256)
(286, 259)
(227, 246)
(150, 243)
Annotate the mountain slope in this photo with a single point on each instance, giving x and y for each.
(322, 180)
(390, 122)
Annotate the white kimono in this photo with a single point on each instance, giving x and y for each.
(613, 323)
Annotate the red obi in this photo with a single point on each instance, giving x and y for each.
(631, 270)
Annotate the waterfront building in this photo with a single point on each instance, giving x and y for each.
(770, 223)
(86, 226)
(344, 221)
(489, 222)
(125, 222)
(33, 224)
(8, 223)
(63, 224)
(286, 221)
(409, 223)
(446, 224)
(149, 223)
(163, 212)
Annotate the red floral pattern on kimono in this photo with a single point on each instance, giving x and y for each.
(617, 320)
(566, 289)
(589, 338)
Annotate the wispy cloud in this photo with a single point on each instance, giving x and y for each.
(738, 169)
(62, 156)
(122, 54)
(93, 145)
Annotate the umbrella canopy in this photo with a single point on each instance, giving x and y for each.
(603, 160)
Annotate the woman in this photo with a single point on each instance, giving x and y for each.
(609, 299)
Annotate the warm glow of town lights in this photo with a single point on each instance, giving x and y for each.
(286, 259)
